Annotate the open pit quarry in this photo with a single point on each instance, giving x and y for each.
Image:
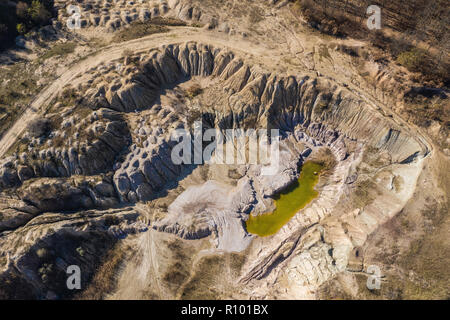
(100, 190)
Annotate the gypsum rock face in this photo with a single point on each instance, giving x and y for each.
(324, 115)
(111, 16)
(55, 194)
(86, 146)
(36, 256)
(59, 194)
(221, 210)
(325, 112)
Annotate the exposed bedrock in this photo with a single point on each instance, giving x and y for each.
(54, 195)
(101, 159)
(241, 96)
(35, 257)
(77, 146)
(113, 15)
(211, 209)
(315, 111)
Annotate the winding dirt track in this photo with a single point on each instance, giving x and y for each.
(269, 56)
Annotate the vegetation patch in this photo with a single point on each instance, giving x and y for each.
(61, 49)
(104, 280)
(201, 286)
(18, 85)
(19, 17)
(141, 29)
(341, 19)
(193, 91)
(39, 127)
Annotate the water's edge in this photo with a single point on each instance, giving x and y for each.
(288, 202)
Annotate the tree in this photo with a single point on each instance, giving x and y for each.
(38, 13)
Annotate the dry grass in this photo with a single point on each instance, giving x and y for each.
(61, 49)
(194, 90)
(104, 280)
(202, 285)
(138, 30)
(141, 29)
(337, 19)
(18, 85)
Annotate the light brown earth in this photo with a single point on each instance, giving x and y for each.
(394, 213)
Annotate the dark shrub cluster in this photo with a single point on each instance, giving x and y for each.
(20, 16)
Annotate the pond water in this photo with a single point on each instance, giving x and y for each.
(288, 202)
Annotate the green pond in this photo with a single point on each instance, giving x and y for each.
(288, 202)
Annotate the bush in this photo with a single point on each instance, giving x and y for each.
(42, 253)
(21, 29)
(412, 59)
(194, 90)
(38, 13)
(39, 127)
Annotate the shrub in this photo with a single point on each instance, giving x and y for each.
(39, 127)
(42, 253)
(38, 13)
(21, 29)
(412, 59)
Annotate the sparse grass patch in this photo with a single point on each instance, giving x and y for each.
(326, 159)
(18, 85)
(194, 90)
(256, 15)
(167, 21)
(412, 59)
(201, 285)
(363, 195)
(141, 29)
(61, 49)
(397, 181)
(104, 280)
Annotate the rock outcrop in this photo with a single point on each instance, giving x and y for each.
(35, 258)
(120, 152)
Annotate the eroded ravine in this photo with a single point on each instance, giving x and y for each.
(123, 146)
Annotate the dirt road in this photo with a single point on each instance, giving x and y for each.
(291, 45)
(114, 52)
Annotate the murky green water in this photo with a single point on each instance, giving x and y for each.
(288, 202)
